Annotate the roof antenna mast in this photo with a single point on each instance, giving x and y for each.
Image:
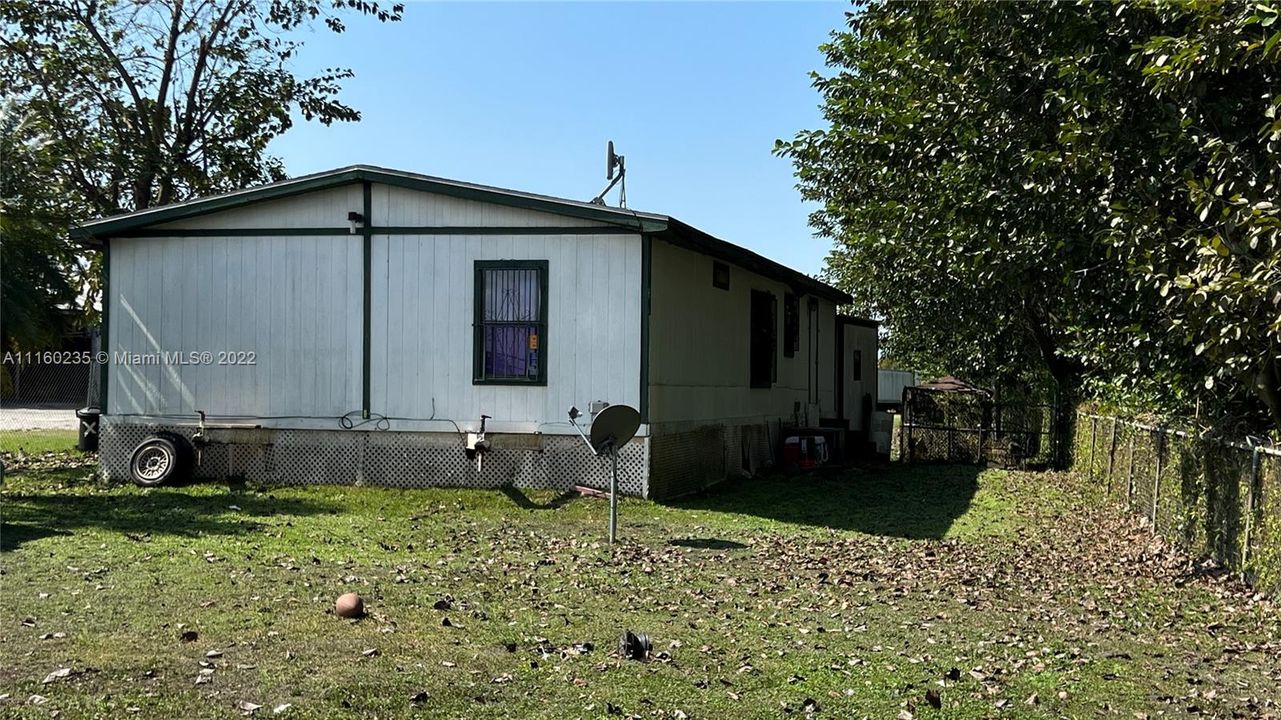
(612, 162)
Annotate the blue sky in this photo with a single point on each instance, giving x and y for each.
(525, 95)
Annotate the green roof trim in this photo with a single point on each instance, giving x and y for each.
(111, 226)
(661, 226)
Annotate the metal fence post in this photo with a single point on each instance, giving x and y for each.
(1156, 480)
(1129, 476)
(911, 446)
(1111, 455)
(1251, 502)
(1094, 431)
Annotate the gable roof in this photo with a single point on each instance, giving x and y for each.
(663, 227)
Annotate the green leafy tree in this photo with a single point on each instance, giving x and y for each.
(1200, 223)
(36, 296)
(146, 103)
(956, 215)
(149, 103)
(1003, 183)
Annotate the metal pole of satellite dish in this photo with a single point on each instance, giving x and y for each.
(613, 494)
(615, 425)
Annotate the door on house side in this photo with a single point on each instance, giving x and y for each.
(852, 378)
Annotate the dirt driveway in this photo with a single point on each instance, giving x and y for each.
(37, 418)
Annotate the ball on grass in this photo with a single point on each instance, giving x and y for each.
(349, 605)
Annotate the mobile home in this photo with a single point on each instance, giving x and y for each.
(354, 326)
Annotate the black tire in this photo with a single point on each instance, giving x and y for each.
(186, 452)
(159, 459)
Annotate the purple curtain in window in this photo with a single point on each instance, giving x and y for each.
(512, 311)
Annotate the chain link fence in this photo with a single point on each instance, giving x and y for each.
(41, 389)
(1002, 434)
(1214, 498)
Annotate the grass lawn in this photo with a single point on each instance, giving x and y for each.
(34, 442)
(1010, 595)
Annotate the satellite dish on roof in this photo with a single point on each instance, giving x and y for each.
(613, 161)
(612, 428)
(615, 426)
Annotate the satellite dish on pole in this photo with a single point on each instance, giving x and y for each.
(610, 161)
(612, 428)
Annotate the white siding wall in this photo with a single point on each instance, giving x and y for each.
(297, 303)
(390, 205)
(890, 384)
(423, 304)
(399, 206)
(699, 347)
(319, 208)
(294, 301)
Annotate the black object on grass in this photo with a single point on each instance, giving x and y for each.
(634, 646)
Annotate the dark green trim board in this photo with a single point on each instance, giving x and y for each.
(477, 339)
(104, 332)
(500, 230)
(390, 230)
(236, 232)
(647, 278)
(367, 251)
(478, 316)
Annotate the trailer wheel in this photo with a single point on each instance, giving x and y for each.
(158, 459)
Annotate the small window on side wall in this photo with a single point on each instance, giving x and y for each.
(720, 275)
(791, 325)
(510, 343)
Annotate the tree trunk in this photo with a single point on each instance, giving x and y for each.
(1067, 375)
(1267, 383)
(1063, 425)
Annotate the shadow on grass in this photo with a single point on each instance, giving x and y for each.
(13, 536)
(707, 544)
(31, 516)
(905, 501)
(522, 500)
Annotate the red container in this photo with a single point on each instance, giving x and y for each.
(805, 451)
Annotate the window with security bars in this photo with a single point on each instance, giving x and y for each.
(511, 322)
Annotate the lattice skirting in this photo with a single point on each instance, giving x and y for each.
(386, 458)
(687, 461)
